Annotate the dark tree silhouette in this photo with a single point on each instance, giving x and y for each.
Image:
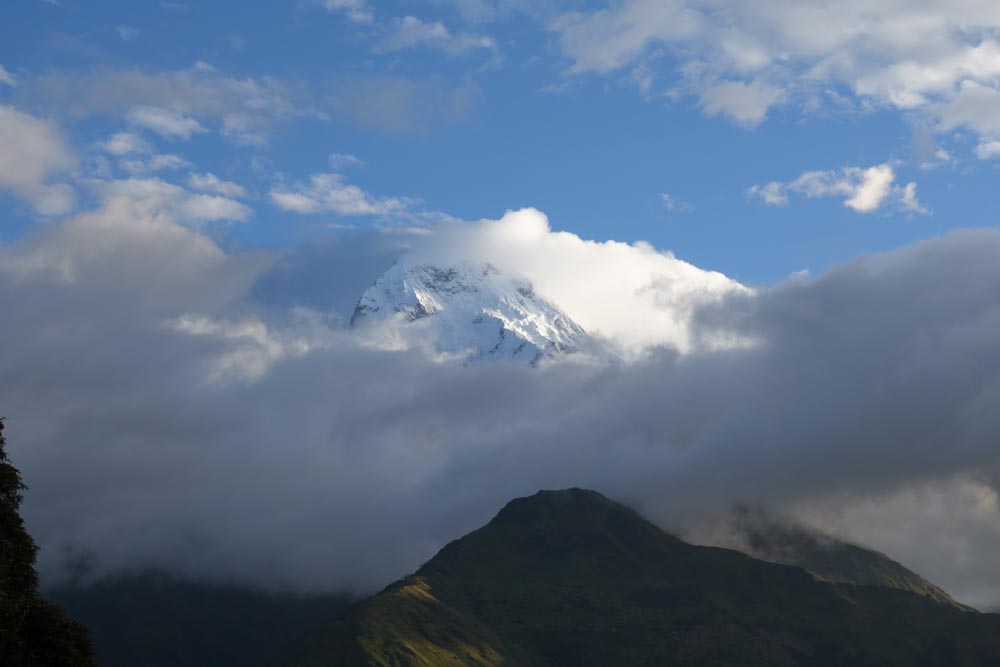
(33, 632)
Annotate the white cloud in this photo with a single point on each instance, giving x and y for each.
(672, 203)
(155, 195)
(6, 78)
(339, 161)
(358, 11)
(330, 193)
(745, 103)
(909, 202)
(125, 143)
(874, 186)
(31, 152)
(896, 54)
(154, 163)
(127, 33)
(864, 190)
(988, 149)
(176, 102)
(213, 184)
(164, 122)
(410, 32)
(138, 157)
(634, 296)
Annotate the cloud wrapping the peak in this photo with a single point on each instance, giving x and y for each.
(155, 402)
(634, 296)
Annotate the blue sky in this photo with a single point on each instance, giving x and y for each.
(469, 108)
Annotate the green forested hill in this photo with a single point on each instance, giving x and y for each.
(570, 578)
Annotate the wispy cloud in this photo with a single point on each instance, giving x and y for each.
(864, 190)
(213, 184)
(330, 193)
(6, 78)
(166, 123)
(411, 32)
(358, 11)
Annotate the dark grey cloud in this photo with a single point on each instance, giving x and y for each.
(173, 405)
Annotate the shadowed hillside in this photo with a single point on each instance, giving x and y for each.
(763, 535)
(571, 578)
(156, 620)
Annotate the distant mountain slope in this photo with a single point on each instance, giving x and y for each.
(570, 578)
(763, 535)
(155, 620)
(473, 311)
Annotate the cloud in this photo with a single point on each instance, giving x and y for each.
(164, 122)
(401, 105)
(744, 103)
(911, 57)
(358, 11)
(672, 203)
(6, 78)
(127, 33)
(988, 149)
(152, 194)
(156, 400)
(411, 32)
(340, 161)
(635, 296)
(138, 157)
(330, 193)
(213, 184)
(864, 190)
(175, 103)
(33, 150)
(125, 143)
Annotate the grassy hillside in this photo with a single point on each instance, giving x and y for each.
(570, 578)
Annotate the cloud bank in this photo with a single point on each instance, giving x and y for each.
(165, 415)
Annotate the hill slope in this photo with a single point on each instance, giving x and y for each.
(572, 578)
(763, 535)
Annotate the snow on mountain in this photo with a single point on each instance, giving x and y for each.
(472, 311)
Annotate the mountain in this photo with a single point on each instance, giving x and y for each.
(571, 578)
(157, 620)
(473, 311)
(764, 535)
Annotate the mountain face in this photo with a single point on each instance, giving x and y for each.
(761, 534)
(571, 578)
(473, 311)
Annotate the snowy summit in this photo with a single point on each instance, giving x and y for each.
(474, 312)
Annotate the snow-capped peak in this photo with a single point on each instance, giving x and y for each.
(473, 311)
